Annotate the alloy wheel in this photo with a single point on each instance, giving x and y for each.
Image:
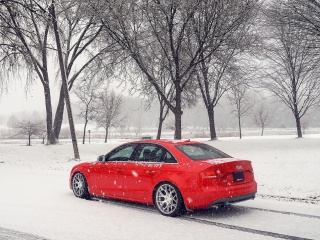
(168, 200)
(79, 185)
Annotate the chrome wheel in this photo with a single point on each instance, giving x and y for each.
(168, 200)
(79, 185)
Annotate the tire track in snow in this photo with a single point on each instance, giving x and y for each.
(8, 234)
(281, 212)
(146, 208)
(243, 229)
(289, 199)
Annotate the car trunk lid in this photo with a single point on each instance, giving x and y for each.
(228, 171)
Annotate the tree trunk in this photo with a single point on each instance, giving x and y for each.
(29, 139)
(213, 134)
(159, 128)
(177, 125)
(162, 117)
(84, 131)
(64, 82)
(298, 123)
(239, 124)
(47, 95)
(160, 121)
(59, 115)
(178, 114)
(106, 137)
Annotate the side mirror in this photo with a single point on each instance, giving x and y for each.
(101, 158)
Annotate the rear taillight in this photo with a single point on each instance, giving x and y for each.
(213, 173)
(210, 173)
(221, 173)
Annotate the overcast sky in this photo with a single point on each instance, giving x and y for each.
(17, 100)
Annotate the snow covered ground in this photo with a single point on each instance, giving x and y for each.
(36, 199)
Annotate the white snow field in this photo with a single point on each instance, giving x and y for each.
(36, 199)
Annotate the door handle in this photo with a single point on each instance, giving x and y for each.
(120, 170)
(151, 172)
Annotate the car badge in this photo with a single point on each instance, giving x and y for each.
(239, 167)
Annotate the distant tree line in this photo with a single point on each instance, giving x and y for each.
(171, 52)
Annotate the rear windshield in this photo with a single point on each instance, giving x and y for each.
(201, 151)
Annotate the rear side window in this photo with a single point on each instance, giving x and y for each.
(153, 153)
(201, 151)
(150, 153)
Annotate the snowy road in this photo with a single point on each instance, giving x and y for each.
(36, 202)
(40, 202)
(232, 217)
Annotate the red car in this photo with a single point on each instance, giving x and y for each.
(172, 175)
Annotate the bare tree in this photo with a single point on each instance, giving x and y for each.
(215, 72)
(163, 108)
(26, 38)
(293, 64)
(146, 90)
(26, 34)
(261, 117)
(241, 102)
(150, 30)
(188, 96)
(29, 129)
(306, 16)
(64, 81)
(86, 91)
(83, 51)
(215, 78)
(108, 111)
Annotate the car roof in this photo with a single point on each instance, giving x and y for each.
(168, 142)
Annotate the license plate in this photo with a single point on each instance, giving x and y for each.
(238, 176)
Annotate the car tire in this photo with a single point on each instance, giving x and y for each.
(80, 186)
(168, 200)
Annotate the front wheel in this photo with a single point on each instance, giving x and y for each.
(168, 200)
(80, 186)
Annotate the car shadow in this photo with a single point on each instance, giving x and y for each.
(214, 213)
(221, 212)
(123, 203)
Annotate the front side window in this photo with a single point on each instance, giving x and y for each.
(201, 151)
(123, 153)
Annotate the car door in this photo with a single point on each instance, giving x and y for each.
(144, 171)
(110, 173)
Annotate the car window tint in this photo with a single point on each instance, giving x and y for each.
(201, 151)
(168, 158)
(122, 154)
(150, 153)
(154, 153)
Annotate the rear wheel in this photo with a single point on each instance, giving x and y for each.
(168, 200)
(80, 186)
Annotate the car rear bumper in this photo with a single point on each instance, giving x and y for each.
(240, 198)
(208, 197)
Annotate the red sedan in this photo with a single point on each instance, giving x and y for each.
(172, 175)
